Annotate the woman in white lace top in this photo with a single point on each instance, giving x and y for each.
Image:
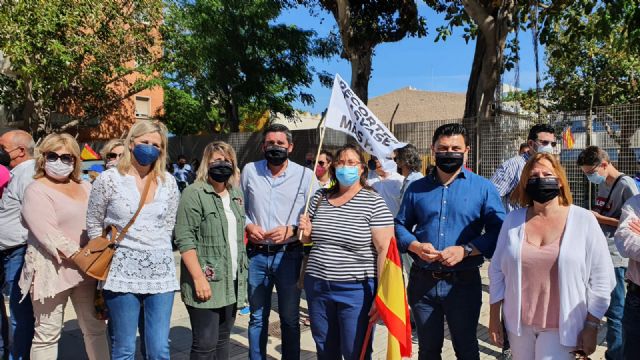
(143, 270)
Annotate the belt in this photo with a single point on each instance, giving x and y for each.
(633, 288)
(6, 252)
(270, 249)
(445, 275)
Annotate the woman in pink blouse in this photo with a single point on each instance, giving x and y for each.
(54, 211)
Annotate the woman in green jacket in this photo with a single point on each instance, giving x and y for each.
(209, 235)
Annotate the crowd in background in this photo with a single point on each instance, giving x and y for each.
(556, 269)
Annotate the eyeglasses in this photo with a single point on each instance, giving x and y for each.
(112, 155)
(66, 159)
(592, 171)
(321, 163)
(341, 163)
(547, 142)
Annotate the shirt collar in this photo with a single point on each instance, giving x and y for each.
(463, 174)
(24, 164)
(267, 172)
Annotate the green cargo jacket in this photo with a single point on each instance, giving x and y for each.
(202, 225)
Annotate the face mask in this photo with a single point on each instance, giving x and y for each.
(276, 155)
(347, 175)
(544, 148)
(58, 170)
(449, 162)
(145, 154)
(596, 178)
(111, 164)
(320, 171)
(308, 162)
(5, 159)
(542, 190)
(220, 171)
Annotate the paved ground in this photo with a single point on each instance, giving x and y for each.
(72, 347)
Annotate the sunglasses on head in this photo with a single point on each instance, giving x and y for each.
(66, 159)
(111, 156)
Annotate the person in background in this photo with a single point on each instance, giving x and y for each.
(447, 242)
(409, 165)
(322, 169)
(54, 211)
(309, 158)
(142, 272)
(387, 183)
(614, 189)
(524, 148)
(19, 146)
(541, 138)
(351, 227)
(275, 191)
(550, 276)
(637, 175)
(112, 152)
(209, 235)
(5, 176)
(182, 172)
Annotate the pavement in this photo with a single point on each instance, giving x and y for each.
(72, 346)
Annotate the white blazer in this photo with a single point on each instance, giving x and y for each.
(585, 272)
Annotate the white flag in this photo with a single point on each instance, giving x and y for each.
(347, 113)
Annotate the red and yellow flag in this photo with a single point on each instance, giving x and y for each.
(568, 139)
(88, 153)
(391, 302)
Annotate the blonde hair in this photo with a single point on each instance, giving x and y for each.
(520, 196)
(228, 152)
(110, 145)
(140, 128)
(53, 142)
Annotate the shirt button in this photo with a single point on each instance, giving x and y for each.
(445, 201)
(441, 234)
(443, 218)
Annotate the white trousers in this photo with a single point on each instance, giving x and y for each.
(538, 344)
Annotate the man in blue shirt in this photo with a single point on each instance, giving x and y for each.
(275, 193)
(457, 217)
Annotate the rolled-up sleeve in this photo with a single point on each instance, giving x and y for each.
(628, 242)
(188, 220)
(602, 278)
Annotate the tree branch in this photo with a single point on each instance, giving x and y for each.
(480, 16)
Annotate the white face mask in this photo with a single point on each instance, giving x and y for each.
(545, 149)
(111, 164)
(58, 170)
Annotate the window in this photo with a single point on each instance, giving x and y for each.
(142, 107)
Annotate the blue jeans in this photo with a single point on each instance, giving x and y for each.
(21, 312)
(281, 269)
(339, 312)
(614, 317)
(631, 326)
(124, 313)
(457, 297)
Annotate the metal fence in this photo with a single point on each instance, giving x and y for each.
(492, 141)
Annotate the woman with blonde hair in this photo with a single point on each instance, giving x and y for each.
(142, 272)
(111, 153)
(54, 211)
(209, 235)
(551, 275)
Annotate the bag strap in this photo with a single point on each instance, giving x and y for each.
(610, 192)
(143, 198)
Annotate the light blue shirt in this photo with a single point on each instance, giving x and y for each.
(13, 232)
(275, 201)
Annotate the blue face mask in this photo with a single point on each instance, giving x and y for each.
(145, 154)
(347, 175)
(596, 178)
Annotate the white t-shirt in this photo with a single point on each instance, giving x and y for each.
(390, 189)
(233, 233)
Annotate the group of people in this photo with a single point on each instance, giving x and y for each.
(556, 269)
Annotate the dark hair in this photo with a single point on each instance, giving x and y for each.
(365, 172)
(410, 156)
(523, 146)
(328, 154)
(278, 128)
(592, 156)
(538, 128)
(450, 130)
(182, 157)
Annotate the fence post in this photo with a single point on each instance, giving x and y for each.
(476, 155)
(589, 141)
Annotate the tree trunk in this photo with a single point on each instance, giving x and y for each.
(361, 73)
(232, 116)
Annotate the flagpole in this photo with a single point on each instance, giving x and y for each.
(367, 336)
(315, 164)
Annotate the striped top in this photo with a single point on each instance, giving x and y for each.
(343, 249)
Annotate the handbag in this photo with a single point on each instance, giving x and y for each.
(94, 259)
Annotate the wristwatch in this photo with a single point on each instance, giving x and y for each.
(294, 229)
(468, 249)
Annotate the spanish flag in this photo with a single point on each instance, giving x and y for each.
(88, 153)
(568, 139)
(391, 302)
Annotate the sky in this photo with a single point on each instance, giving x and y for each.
(417, 62)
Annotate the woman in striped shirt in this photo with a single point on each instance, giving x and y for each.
(350, 226)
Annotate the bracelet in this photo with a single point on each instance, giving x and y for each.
(592, 324)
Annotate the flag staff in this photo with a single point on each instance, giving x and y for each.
(322, 129)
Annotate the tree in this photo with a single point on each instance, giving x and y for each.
(590, 64)
(363, 25)
(76, 60)
(232, 55)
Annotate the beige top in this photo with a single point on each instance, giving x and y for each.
(540, 289)
(56, 224)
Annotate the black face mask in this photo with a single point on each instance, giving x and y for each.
(5, 159)
(449, 161)
(220, 171)
(276, 155)
(372, 165)
(542, 190)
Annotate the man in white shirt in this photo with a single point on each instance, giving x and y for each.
(388, 184)
(19, 145)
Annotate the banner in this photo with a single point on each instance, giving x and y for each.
(347, 113)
